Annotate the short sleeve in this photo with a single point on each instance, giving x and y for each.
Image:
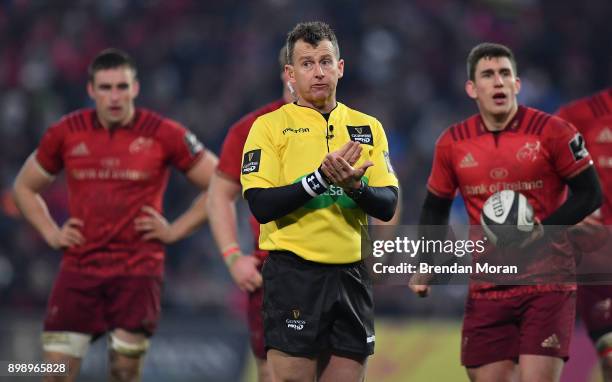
(567, 148)
(231, 152)
(183, 149)
(442, 180)
(261, 163)
(382, 173)
(50, 150)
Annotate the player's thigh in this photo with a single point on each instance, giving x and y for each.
(134, 303)
(594, 307)
(547, 324)
(539, 368)
(502, 371)
(490, 332)
(76, 304)
(255, 320)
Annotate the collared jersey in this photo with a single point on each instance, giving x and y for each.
(111, 175)
(287, 144)
(230, 158)
(533, 155)
(592, 116)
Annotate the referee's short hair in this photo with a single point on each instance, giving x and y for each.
(488, 50)
(312, 33)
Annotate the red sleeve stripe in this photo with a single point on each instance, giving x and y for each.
(82, 121)
(538, 130)
(452, 130)
(76, 123)
(150, 125)
(71, 126)
(595, 108)
(466, 128)
(532, 122)
(459, 132)
(599, 99)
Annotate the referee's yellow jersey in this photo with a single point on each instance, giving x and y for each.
(289, 143)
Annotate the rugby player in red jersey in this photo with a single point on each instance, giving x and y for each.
(592, 116)
(513, 331)
(224, 189)
(116, 159)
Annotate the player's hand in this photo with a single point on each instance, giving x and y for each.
(68, 236)
(536, 234)
(245, 274)
(589, 235)
(419, 286)
(154, 226)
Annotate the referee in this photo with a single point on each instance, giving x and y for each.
(312, 171)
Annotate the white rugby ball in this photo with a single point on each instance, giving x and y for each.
(507, 217)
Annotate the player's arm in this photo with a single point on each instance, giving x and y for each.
(222, 214)
(30, 182)
(585, 197)
(155, 227)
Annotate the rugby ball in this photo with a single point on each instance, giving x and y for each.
(507, 218)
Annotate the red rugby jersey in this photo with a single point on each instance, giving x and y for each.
(592, 116)
(230, 160)
(111, 175)
(532, 155)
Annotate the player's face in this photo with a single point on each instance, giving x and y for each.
(113, 91)
(495, 86)
(314, 74)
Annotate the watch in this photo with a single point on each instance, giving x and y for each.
(355, 193)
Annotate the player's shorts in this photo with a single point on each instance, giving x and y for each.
(595, 309)
(503, 329)
(311, 308)
(94, 305)
(255, 319)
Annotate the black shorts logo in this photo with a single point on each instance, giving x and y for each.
(250, 162)
(577, 147)
(361, 134)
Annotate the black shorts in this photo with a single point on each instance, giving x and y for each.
(310, 308)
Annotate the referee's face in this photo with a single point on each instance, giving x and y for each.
(314, 74)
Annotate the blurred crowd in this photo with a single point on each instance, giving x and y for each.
(205, 63)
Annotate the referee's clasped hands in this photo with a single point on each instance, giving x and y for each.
(338, 166)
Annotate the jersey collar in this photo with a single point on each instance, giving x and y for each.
(133, 122)
(512, 126)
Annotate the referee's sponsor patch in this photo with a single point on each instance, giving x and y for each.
(361, 134)
(250, 162)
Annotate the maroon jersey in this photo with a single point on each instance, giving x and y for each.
(533, 155)
(111, 175)
(592, 116)
(230, 160)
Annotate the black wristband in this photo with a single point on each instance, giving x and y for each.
(315, 183)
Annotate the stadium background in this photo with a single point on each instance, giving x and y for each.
(207, 63)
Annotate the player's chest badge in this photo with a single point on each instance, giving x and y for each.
(529, 152)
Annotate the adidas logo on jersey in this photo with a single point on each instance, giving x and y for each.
(551, 342)
(80, 150)
(605, 136)
(468, 161)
